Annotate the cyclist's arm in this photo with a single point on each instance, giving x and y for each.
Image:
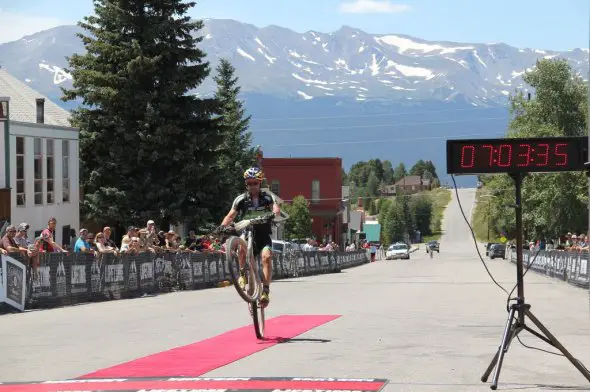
(276, 208)
(229, 217)
(233, 212)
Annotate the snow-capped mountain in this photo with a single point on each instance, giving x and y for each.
(348, 63)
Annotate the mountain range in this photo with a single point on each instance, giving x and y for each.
(349, 92)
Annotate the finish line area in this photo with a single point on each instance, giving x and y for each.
(175, 384)
(400, 325)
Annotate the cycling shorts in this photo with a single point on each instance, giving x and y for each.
(261, 241)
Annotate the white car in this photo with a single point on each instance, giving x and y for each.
(398, 251)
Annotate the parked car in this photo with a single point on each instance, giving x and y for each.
(498, 250)
(435, 245)
(398, 251)
(283, 246)
(488, 246)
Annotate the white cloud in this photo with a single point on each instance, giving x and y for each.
(372, 6)
(14, 26)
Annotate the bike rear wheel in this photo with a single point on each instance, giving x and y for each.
(234, 246)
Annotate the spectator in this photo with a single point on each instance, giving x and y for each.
(21, 237)
(145, 241)
(170, 241)
(192, 243)
(102, 246)
(82, 245)
(25, 246)
(161, 239)
(8, 243)
(131, 232)
(134, 246)
(107, 238)
(48, 237)
(151, 236)
(91, 242)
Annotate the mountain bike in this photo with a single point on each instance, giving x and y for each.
(241, 242)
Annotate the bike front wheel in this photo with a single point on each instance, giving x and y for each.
(258, 318)
(234, 247)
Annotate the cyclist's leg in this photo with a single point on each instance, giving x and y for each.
(265, 246)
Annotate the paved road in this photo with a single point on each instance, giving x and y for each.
(426, 325)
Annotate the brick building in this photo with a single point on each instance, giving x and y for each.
(319, 180)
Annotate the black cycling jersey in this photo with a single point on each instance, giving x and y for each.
(247, 209)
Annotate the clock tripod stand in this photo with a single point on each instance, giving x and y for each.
(520, 310)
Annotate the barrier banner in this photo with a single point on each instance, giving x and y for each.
(14, 277)
(71, 278)
(569, 266)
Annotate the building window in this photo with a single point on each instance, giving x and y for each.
(38, 171)
(65, 169)
(275, 187)
(20, 172)
(50, 159)
(315, 191)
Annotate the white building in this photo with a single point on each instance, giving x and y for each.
(39, 161)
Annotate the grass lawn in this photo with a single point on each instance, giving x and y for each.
(479, 220)
(440, 199)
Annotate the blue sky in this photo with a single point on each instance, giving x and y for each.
(542, 24)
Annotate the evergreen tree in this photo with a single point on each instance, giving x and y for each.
(421, 207)
(147, 144)
(387, 172)
(373, 185)
(408, 217)
(399, 172)
(236, 153)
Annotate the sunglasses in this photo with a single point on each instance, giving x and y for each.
(252, 183)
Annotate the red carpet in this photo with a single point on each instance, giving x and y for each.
(196, 385)
(199, 358)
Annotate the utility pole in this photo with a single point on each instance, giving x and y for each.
(489, 215)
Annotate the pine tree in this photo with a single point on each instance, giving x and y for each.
(236, 153)
(147, 143)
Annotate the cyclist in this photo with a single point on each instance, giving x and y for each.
(250, 204)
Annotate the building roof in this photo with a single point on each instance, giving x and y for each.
(23, 107)
(409, 180)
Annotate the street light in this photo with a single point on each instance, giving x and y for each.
(4, 120)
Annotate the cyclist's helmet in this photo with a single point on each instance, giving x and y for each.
(253, 173)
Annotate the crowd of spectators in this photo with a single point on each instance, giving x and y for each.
(568, 242)
(140, 240)
(135, 241)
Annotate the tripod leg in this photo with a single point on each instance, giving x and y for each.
(514, 330)
(558, 345)
(507, 332)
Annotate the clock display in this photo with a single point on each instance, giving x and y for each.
(516, 155)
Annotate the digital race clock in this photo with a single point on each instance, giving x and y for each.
(554, 154)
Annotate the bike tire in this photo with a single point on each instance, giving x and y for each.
(233, 263)
(258, 319)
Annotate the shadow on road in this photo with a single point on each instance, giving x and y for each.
(296, 340)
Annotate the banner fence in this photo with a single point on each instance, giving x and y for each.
(569, 266)
(64, 279)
